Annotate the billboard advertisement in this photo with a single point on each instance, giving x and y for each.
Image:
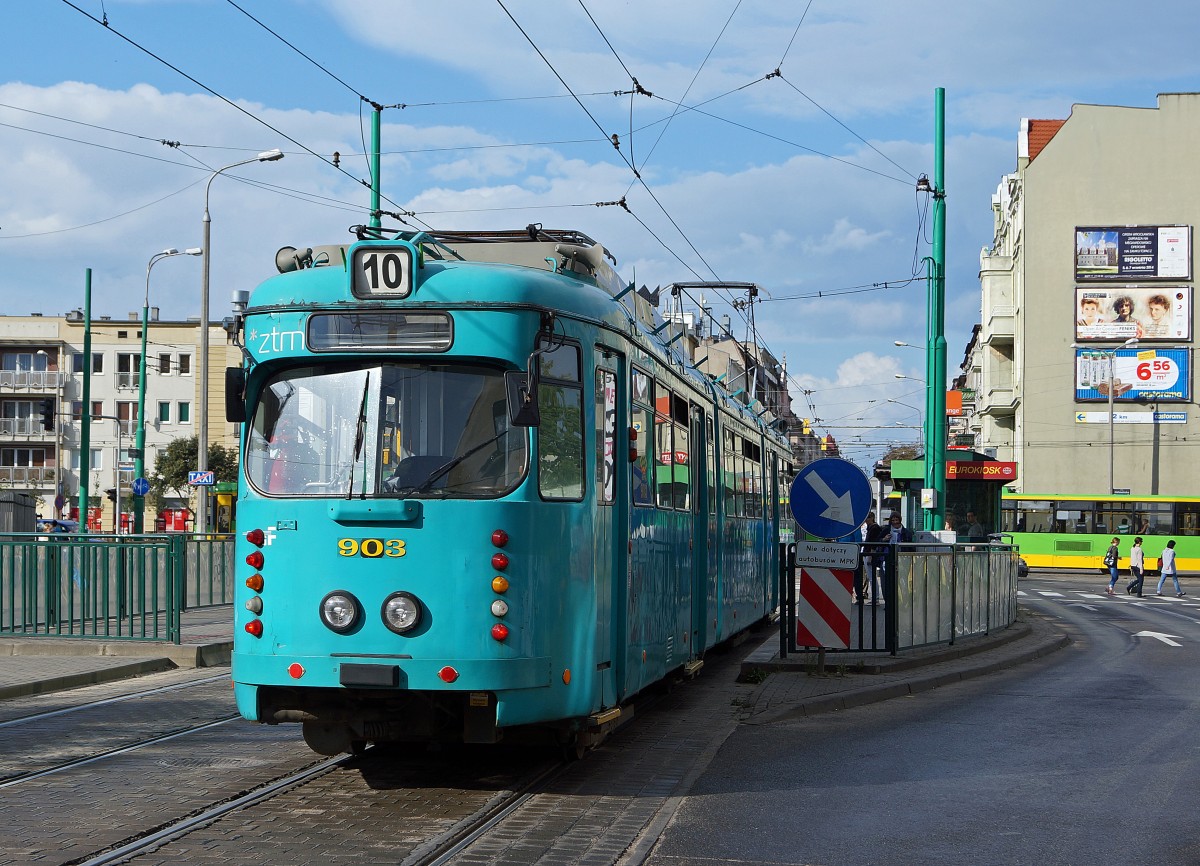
(1121, 312)
(1157, 375)
(1133, 253)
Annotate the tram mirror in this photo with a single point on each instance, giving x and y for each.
(522, 399)
(235, 395)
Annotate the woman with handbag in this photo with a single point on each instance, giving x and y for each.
(1166, 567)
(1110, 562)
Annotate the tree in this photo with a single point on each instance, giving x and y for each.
(173, 464)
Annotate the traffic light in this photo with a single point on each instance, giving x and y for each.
(48, 414)
(111, 493)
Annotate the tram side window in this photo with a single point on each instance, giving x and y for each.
(606, 431)
(643, 422)
(681, 474)
(753, 478)
(712, 466)
(560, 435)
(664, 446)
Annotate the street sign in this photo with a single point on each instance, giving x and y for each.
(826, 554)
(140, 487)
(830, 497)
(823, 607)
(197, 478)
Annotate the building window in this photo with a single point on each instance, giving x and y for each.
(97, 459)
(128, 369)
(97, 409)
(185, 365)
(77, 363)
(164, 412)
(164, 364)
(76, 410)
(184, 412)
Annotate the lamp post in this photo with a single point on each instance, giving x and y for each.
(202, 409)
(139, 444)
(1112, 462)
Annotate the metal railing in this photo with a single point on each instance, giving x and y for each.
(129, 587)
(36, 380)
(921, 595)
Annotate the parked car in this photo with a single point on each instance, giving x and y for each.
(57, 526)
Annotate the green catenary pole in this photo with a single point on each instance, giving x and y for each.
(85, 436)
(376, 119)
(935, 425)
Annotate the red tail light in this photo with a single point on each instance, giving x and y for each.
(256, 559)
(499, 538)
(256, 537)
(254, 627)
(447, 674)
(295, 670)
(500, 562)
(499, 631)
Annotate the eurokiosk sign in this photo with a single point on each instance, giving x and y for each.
(981, 470)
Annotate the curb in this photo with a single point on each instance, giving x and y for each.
(134, 668)
(912, 686)
(188, 655)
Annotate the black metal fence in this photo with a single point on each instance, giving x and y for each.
(901, 597)
(128, 587)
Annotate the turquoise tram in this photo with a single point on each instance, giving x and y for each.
(480, 495)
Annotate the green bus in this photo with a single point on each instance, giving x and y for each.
(1073, 532)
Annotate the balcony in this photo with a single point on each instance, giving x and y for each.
(128, 381)
(32, 380)
(26, 475)
(1001, 325)
(24, 428)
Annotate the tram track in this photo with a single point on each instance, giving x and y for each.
(65, 766)
(49, 714)
(441, 848)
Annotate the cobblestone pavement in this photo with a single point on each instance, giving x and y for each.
(608, 808)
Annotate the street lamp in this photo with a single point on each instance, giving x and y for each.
(907, 345)
(202, 413)
(914, 378)
(139, 445)
(920, 417)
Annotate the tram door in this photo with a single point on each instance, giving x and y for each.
(702, 572)
(611, 526)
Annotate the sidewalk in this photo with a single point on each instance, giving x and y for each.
(792, 688)
(36, 665)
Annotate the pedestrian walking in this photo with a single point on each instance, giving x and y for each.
(894, 535)
(1111, 558)
(1166, 568)
(1137, 568)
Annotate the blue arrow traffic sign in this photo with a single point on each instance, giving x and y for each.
(830, 497)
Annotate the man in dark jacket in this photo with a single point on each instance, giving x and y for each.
(895, 534)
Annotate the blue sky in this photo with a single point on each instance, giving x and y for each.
(802, 183)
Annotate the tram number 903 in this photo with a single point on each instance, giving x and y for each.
(371, 548)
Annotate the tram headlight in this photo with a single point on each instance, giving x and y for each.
(401, 612)
(339, 611)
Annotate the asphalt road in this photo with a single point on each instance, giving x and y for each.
(1089, 756)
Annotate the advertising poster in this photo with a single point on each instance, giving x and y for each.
(1133, 253)
(1121, 312)
(1157, 375)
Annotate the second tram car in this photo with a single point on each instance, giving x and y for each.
(481, 493)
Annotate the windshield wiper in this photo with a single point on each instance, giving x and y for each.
(360, 435)
(446, 467)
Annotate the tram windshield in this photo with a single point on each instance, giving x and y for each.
(387, 430)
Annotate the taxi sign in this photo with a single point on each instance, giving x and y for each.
(196, 478)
